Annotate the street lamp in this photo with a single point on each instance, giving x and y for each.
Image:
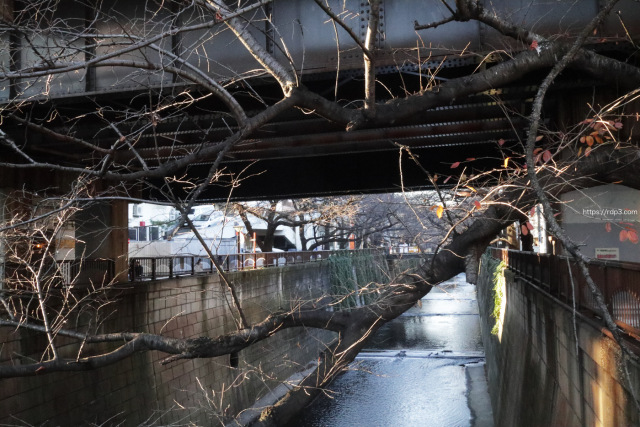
(238, 229)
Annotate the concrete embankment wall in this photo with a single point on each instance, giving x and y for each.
(547, 366)
(139, 390)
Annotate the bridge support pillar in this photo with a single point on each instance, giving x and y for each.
(101, 233)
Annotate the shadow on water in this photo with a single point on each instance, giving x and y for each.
(413, 370)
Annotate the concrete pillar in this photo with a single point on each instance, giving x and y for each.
(101, 233)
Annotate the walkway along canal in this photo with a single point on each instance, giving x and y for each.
(424, 368)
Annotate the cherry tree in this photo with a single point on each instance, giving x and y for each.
(152, 141)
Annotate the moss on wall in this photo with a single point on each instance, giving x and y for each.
(492, 273)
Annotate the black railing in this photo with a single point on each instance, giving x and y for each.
(618, 281)
(147, 268)
(102, 271)
(98, 271)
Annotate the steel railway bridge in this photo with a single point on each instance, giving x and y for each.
(297, 153)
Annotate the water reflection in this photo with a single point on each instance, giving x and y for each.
(395, 391)
(430, 332)
(412, 373)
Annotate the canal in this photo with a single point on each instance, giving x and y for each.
(424, 368)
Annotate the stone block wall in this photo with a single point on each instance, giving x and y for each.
(140, 390)
(547, 366)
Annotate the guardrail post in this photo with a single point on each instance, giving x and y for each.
(540, 271)
(153, 268)
(568, 287)
(553, 268)
(549, 274)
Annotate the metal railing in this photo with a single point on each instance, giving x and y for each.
(86, 270)
(102, 271)
(147, 268)
(618, 281)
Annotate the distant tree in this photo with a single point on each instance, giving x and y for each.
(268, 213)
(344, 221)
(319, 221)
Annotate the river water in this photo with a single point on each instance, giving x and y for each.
(424, 368)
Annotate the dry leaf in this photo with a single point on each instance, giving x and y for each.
(624, 235)
(536, 160)
(439, 211)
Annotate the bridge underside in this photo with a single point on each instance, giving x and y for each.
(297, 153)
(300, 154)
